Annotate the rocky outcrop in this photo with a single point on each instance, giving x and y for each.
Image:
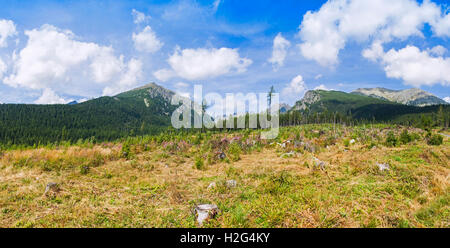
(310, 97)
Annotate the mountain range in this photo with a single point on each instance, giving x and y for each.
(148, 110)
(362, 106)
(413, 97)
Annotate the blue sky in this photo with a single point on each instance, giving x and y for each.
(227, 46)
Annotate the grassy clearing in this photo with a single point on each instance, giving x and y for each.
(157, 182)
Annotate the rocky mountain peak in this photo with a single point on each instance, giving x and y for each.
(413, 97)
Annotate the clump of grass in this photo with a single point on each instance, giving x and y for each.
(280, 183)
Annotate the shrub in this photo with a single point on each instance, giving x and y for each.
(199, 163)
(405, 138)
(346, 142)
(391, 140)
(435, 140)
(84, 169)
(415, 136)
(234, 151)
(126, 150)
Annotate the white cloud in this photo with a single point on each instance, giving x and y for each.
(139, 17)
(437, 50)
(318, 76)
(414, 67)
(50, 97)
(325, 32)
(127, 80)
(164, 74)
(375, 52)
(442, 26)
(322, 87)
(7, 29)
(280, 46)
(146, 41)
(181, 88)
(201, 63)
(54, 59)
(447, 99)
(294, 90)
(3, 68)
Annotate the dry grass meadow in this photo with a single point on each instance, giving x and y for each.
(157, 183)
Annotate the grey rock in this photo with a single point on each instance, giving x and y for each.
(231, 183)
(319, 164)
(206, 212)
(54, 187)
(222, 155)
(383, 167)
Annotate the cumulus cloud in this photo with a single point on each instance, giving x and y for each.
(55, 59)
(295, 89)
(146, 41)
(127, 80)
(201, 63)
(410, 64)
(280, 46)
(325, 32)
(50, 97)
(139, 17)
(7, 29)
(447, 99)
(442, 26)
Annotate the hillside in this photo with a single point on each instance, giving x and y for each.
(145, 110)
(335, 101)
(413, 97)
(361, 106)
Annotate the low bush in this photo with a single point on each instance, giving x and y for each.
(435, 140)
(391, 140)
